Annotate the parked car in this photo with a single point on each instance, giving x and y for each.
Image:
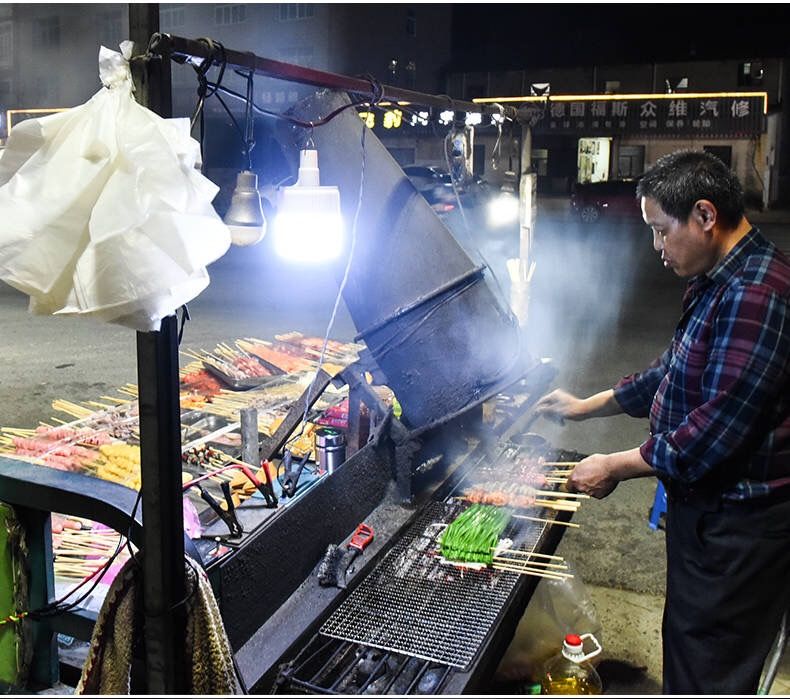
(477, 195)
(434, 184)
(592, 201)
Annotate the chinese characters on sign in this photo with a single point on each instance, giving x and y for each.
(740, 115)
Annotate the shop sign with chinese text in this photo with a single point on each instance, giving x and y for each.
(660, 115)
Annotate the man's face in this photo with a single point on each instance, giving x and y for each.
(685, 246)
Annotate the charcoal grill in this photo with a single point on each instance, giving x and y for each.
(416, 605)
(414, 625)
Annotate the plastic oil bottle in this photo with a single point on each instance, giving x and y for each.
(570, 672)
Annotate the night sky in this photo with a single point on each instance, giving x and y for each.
(500, 36)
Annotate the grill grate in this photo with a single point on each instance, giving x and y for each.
(413, 604)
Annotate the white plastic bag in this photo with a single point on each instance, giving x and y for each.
(103, 212)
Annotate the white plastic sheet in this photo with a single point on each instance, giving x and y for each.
(102, 212)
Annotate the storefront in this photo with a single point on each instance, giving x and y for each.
(578, 138)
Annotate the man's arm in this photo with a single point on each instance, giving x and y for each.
(561, 405)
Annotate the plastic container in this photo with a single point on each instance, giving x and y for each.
(570, 672)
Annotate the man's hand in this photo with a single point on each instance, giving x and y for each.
(593, 476)
(560, 405)
(599, 474)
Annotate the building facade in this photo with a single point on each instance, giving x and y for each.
(610, 122)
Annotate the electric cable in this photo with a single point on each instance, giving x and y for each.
(57, 607)
(344, 280)
(468, 229)
(321, 121)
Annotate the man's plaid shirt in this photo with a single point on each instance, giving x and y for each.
(719, 397)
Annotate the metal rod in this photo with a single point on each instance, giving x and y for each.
(250, 445)
(164, 587)
(184, 48)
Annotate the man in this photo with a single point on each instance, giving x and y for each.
(718, 400)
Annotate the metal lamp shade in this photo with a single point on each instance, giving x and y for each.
(245, 217)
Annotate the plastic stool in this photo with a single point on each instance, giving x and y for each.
(659, 506)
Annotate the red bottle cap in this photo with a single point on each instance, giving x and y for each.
(573, 640)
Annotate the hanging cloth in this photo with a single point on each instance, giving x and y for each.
(119, 628)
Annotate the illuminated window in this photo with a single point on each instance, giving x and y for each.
(411, 23)
(750, 73)
(290, 11)
(6, 42)
(46, 32)
(171, 16)
(229, 14)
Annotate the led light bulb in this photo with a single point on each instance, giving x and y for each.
(308, 226)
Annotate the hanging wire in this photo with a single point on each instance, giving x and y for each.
(496, 151)
(206, 89)
(377, 95)
(249, 122)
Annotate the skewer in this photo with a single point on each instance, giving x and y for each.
(557, 505)
(548, 521)
(531, 554)
(542, 565)
(562, 494)
(533, 571)
(559, 463)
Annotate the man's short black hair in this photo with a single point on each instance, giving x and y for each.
(678, 180)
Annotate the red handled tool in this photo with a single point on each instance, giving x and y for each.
(361, 537)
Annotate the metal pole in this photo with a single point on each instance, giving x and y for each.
(160, 433)
(189, 48)
(520, 270)
(250, 444)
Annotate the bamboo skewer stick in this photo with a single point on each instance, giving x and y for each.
(553, 505)
(531, 554)
(559, 463)
(548, 521)
(533, 571)
(562, 494)
(543, 565)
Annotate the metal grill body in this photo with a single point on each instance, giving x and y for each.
(415, 604)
